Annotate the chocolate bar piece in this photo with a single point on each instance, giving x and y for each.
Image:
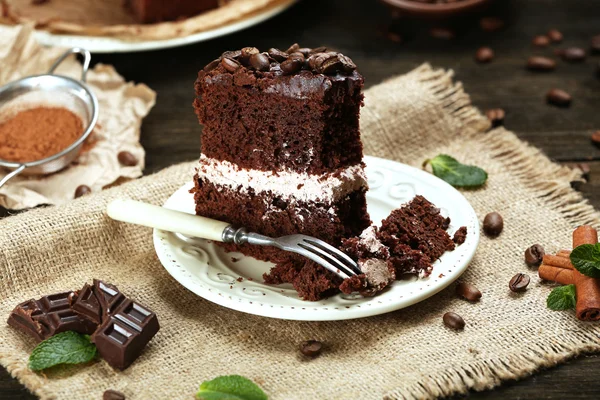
(109, 296)
(48, 316)
(87, 305)
(124, 334)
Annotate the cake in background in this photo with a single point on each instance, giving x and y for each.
(148, 11)
(281, 153)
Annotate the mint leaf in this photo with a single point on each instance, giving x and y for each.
(63, 348)
(455, 173)
(586, 259)
(230, 387)
(562, 298)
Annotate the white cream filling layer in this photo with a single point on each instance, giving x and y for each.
(328, 187)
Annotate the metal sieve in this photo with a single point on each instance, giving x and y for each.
(75, 95)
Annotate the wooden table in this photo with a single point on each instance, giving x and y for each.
(170, 134)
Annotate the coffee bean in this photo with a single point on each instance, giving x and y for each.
(278, 55)
(519, 283)
(293, 48)
(230, 64)
(260, 62)
(246, 53)
(291, 66)
(113, 395)
(573, 54)
(491, 24)
(82, 190)
(595, 44)
(127, 159)
(555, 35)
(496, 116)
(442, 33)
(468, 291)
(298, 56)
(311, 348)
(596, 138)
(493, 224)
(234, 54)
(453, 321)
(305, 51)
(534, 255)
(558, 98)
(321, 49)
(541, 64)
(326, 63)
(541, 41)
(347, 64)
(212, 65)
(484, 55)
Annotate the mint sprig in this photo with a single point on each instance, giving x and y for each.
(62, 348)
(460, 175)
(586, 259)
(562, 298)
(230, 387)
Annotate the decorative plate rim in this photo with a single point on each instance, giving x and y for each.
(106, 44)
(357, 306)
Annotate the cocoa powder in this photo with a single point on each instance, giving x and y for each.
(38, 133)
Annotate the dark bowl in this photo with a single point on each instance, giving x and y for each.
(435, 10)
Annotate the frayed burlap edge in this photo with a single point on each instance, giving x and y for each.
(547, 180)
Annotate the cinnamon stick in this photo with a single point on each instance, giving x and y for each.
(557, 261)
(587, 288)
(552, 273)
(564, 253)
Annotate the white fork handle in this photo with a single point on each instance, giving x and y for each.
(136, 212)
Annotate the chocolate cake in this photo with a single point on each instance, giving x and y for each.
(147, 11)
(281, 152)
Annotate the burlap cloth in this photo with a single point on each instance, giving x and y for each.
(403, 354)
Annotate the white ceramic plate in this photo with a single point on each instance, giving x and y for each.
(102, 44)
(210, 272)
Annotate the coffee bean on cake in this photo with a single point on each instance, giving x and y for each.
(291, 66)
(454, 321)
(278, 55)
(484, 55)
(537, 63)
(468, 291)
(246, 53)
(259, 62)
(230, 64)
(519, 283)
(558, 98)
(534, 255)
(493, 223)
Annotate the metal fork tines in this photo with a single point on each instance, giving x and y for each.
(312, 248)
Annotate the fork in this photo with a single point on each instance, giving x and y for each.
(136, 212)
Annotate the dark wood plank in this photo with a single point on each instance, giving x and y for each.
(171, 133)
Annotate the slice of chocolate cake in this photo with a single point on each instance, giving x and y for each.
(147, 11)
(281, 153)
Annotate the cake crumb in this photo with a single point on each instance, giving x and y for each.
(240, 279)
(460, 235)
